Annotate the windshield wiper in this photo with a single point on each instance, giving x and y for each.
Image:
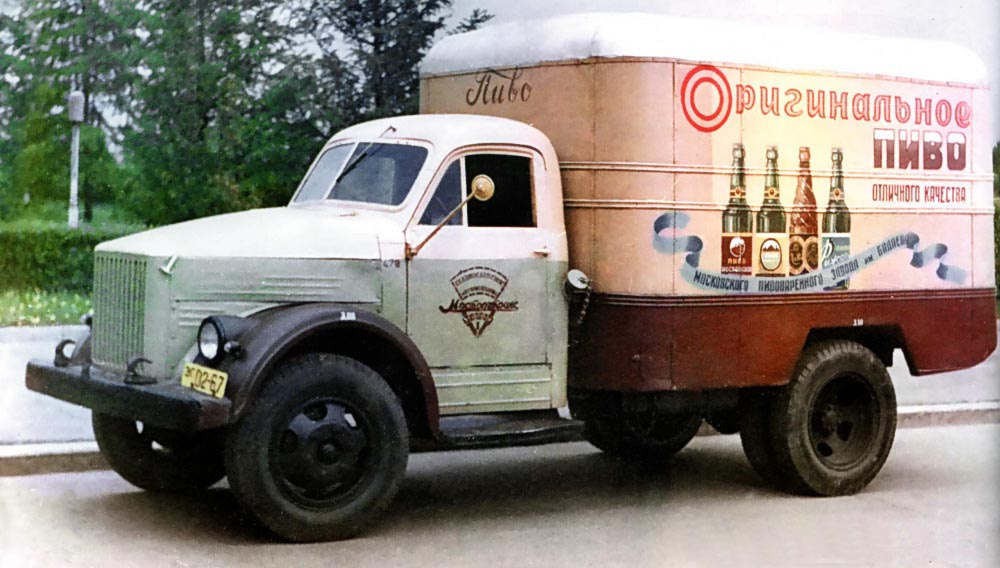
(359, 157)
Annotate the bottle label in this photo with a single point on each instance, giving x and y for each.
(836, 247)
(771, 254)
(803, 254)
(737, 254)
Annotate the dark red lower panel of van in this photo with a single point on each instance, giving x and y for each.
(644, 343)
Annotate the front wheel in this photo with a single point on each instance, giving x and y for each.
(322, 450)
(159, 460)
(833, 425)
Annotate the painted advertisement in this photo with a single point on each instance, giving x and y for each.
(894, 160)
(717, 179)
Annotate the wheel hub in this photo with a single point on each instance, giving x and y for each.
(830, 420)
(321, 450)
(841, 428)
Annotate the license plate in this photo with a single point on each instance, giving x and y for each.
(205, 379)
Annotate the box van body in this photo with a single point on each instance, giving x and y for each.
(643, 112)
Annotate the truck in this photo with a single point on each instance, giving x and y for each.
(583, 233)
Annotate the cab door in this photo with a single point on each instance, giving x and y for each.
(478, 289)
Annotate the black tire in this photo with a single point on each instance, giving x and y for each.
(649, 438)
(725, 422)
(755, 436)
(160, 460)
(833, 425)
(321, 452)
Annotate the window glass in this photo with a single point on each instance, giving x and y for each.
(446, 197)
(321, 177)
(512, 204)
(379, 173)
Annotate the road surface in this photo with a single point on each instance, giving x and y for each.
(936, 503)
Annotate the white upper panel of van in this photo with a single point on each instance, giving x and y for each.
(595, 35)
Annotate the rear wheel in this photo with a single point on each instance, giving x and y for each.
(755, 435)
(321, 452)
(159, 460)
(833, 425)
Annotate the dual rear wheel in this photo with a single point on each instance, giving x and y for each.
(829, 431)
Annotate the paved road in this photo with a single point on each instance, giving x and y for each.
(27, 417)
(936, 503)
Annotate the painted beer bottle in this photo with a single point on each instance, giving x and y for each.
(772, 231)
(737, 221)
(836, 238)
(803, 237)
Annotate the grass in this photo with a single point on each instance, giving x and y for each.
(36, 307)
(44, 213)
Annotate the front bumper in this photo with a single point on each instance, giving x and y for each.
(171, 406)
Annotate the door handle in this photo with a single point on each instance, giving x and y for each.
(544, 251)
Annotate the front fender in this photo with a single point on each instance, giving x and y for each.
(275, 333)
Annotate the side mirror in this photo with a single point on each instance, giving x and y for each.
(482, 188)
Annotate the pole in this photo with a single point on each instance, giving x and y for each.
(75, 108)
(74, 176)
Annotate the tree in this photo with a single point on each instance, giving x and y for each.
(214, 105)
(387, 39)
(473, 21)
(218, 120)
(51, 47)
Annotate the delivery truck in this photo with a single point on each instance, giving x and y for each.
(610, 225)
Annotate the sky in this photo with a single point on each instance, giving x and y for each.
(974, 24)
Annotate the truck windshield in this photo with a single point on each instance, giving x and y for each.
(380, 174)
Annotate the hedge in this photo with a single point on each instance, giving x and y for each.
(51, 256)
(996, 246)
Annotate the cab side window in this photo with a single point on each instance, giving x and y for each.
(513, 203)
(446, 197)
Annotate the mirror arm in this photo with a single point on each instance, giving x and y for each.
(412, 251)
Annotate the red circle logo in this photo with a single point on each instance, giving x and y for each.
(710, 116)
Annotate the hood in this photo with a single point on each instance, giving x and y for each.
(281, 232)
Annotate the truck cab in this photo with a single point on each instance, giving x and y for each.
(428, 251)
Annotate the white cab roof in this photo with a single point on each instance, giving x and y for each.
(450, 131)
(608, 35)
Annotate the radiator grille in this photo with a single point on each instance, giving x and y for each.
(119, 308)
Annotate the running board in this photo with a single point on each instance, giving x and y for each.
(530, 428)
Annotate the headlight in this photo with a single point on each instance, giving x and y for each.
(219, 336)
(210, 340)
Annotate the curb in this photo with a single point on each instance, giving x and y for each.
(21, 334)
(59, 457)
(72, 457)
(954, 414)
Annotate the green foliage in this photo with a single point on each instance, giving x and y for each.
(48, 255)
(53, 46)
(37, 307)
(201, 113)
(387, 40)
(207, 106)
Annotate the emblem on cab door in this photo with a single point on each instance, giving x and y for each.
(479, 289)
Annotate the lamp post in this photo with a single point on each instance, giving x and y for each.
(75, 107)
